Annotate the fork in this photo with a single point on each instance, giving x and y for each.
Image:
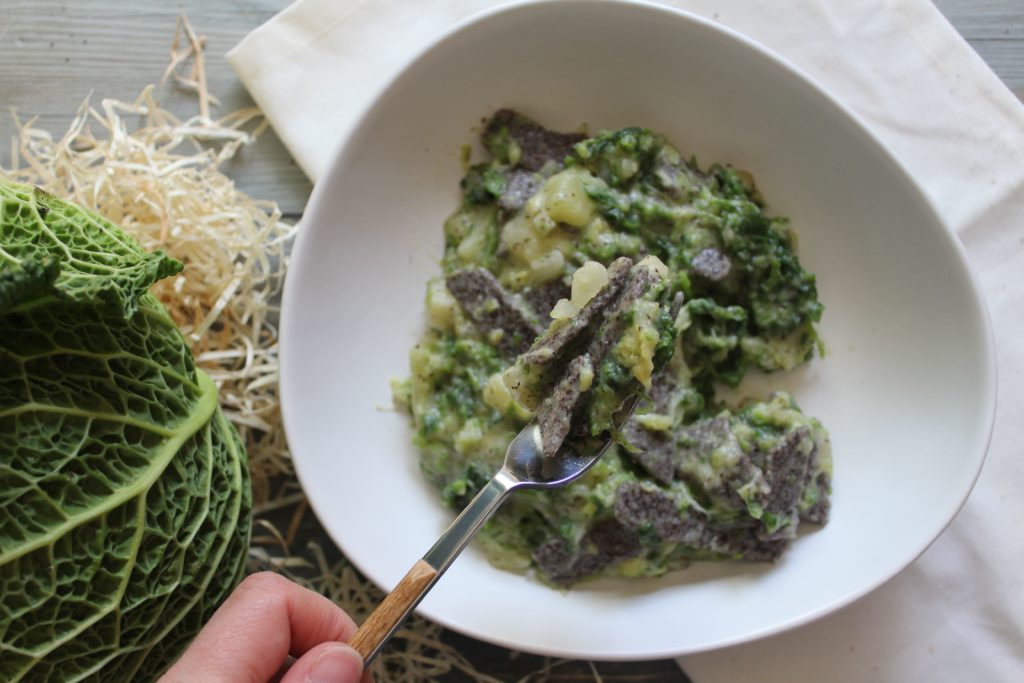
(525, 466)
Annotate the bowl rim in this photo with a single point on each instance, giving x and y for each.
(988, 382)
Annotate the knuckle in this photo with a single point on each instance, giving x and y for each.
(264, 583)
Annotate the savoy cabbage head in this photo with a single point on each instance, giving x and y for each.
(124, 491)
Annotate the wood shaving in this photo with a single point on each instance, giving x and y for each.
(161, 181)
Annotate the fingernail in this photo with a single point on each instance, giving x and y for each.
(336, 664)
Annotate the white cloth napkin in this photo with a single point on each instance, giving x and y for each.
(957, 613)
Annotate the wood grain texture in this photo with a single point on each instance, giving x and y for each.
(1001, 20)
(995, 29)
(57, 53)
(393, 609)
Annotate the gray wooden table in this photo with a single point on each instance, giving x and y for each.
(53, 53)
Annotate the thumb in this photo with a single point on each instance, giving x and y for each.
(326, 663)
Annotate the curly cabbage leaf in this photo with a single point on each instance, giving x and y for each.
(124, 491)
(98, 261)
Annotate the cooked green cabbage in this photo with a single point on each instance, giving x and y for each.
(124, 491)
(690, 476)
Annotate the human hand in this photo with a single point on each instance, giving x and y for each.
(266, 619)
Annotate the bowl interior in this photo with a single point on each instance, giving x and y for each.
(906, 387)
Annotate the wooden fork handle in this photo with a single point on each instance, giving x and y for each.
(391, 612)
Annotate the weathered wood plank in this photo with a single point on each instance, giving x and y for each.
(1006, 59)
(995, 29)
(985, 19)
(54, 54)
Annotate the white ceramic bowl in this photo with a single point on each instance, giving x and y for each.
(906, 389)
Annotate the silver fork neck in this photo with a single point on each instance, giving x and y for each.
(470, 520)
